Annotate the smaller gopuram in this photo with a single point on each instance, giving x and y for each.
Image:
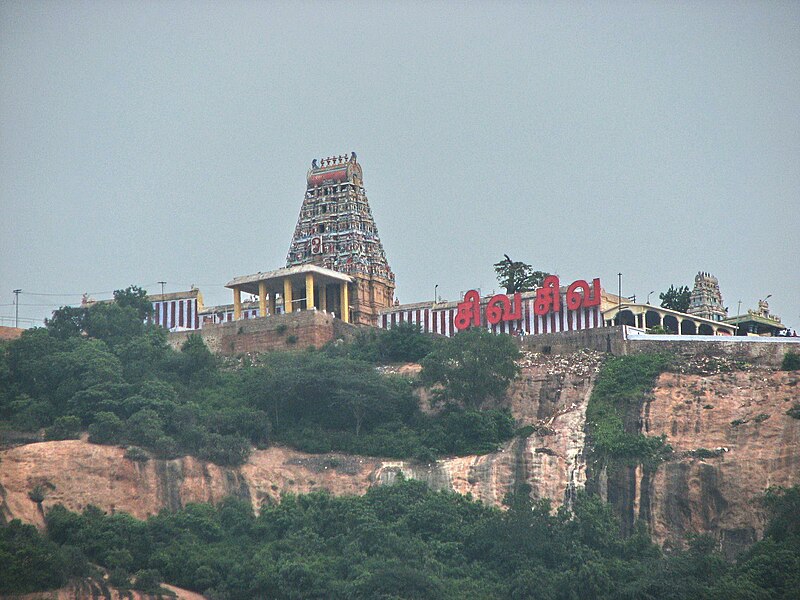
(336, 231)
(706, 299)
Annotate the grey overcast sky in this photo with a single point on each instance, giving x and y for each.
(147, 141)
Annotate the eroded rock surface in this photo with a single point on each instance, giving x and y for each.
(91, 589)
(732, 439)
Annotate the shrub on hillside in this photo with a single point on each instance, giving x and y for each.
(471, 367)
(405, 342)
(64, 428)
(107, 428)
(621, 387)
(791, 361)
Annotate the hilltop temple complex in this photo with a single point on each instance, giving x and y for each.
(337, 276)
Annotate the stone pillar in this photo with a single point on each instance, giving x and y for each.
(323, 297)
(309, 291)
(344, 301)
(262, 298)
(287, 295)
(272, 309)
(237, 304)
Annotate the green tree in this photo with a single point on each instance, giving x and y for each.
(64, 428)
(28, 561)
(83, 365)
(106, 429)
(195, 363)
(404, 342)
(144, 427)
(517, 276)
(103, 320)
(115, 324)
(30, 361)
(676, 298)
(472, 366)
(67, 321)
(136, 298)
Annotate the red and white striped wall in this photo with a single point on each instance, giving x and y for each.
(182, 314)
(439, 319)
(177, 314)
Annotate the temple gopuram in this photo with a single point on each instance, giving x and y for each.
(336, 264)
(336, 231)
(706, 299)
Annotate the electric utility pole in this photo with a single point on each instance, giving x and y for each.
(16, 307)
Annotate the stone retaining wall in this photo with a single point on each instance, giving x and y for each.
(296, 330)
(751, 350)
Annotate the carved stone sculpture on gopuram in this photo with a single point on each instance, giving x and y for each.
(336, 230)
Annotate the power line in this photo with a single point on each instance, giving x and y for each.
(50, 305)
(100, 293)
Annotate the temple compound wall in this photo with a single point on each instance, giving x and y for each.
(292, 331)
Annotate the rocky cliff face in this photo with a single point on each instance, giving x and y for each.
(730, 432)
(91, 589)
(732, 439)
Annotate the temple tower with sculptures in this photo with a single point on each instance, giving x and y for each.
(706, 299)
(336, 231)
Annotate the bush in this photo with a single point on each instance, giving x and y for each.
(106, 429)
(166, 447)
(28, 414)
(526, 431)
(37, 494)
(145, 427)
(472, 366)
(30, 562)
(137, 454)
(64, 428)
(621, 387)
(401, 540)
(119, 578)
(225, 449)
(404, 342)
(794, 412)
(147, 580)
(706, 453)
(791, 361)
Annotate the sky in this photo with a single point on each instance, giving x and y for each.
(169, 141)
